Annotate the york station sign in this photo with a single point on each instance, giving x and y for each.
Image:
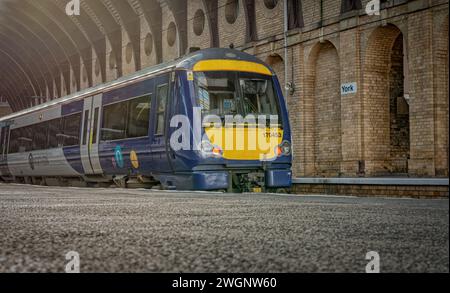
(349, 88)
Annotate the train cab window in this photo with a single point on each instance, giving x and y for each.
(114, 121)
(232, 93)
(55, 136)
(71, 130)
(216, 93)
(162, 95)
(258, 97)
(138, 118)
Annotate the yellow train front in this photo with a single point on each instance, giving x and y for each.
(229, 128)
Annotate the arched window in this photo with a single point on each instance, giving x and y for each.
(295, 14)
(251, 20)
(349, 5)
(213, 15)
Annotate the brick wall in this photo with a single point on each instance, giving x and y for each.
(198, 25)
(440, 76)
(420, 38)
(170, 35)
(327, 111)
(269, 22)
(235, 32)
(373, 190)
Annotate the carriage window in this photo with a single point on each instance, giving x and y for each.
(40, 136)
(45, 135)
(71, 132)
(55, 137)
(26, 140)
(163, 92)
(2, 138)
(21, 140)
(114, 121)
(13, 142)
(138, 118)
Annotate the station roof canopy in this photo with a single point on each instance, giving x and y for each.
(44, 51)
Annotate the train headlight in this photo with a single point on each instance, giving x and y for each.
(206, 146)
(284, 149)
(208, 149)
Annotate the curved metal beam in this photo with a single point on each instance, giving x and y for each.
(50, 30)
(38, 45)
(17, 54)
(41, 32)
(21, 69)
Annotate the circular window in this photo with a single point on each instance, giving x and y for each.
(129, 53)
(171, 34)
(199, 22)
(112, 60)
(148, 45)
(231, 11)
(270, 4)
(97, 67)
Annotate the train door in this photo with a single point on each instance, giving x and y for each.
(160, 142)
(90, 135)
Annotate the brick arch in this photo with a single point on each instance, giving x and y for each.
(277, 63)
(323, 111)
(377, 100)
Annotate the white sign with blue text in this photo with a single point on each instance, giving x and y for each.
(349, 88)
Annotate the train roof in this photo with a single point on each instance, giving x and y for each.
(188, 62)
(185, 63)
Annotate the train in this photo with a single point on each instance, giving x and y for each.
(180, 125)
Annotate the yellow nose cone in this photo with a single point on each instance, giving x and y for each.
(243, 143)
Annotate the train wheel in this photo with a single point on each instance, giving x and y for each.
(279, 190)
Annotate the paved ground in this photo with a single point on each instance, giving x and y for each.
(117, 230)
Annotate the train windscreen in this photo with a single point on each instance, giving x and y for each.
(236, 93)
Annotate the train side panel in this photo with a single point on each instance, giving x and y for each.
(124, 156)
(50, 162)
